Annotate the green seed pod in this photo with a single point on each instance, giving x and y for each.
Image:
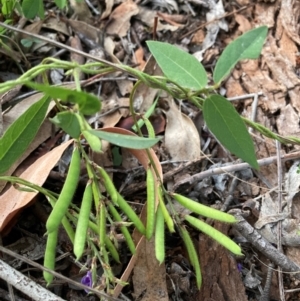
(221, 238)
(131, 214)
(66, 194)
(109, 185)
(150, 204)
(168, 219)
(124, 229)
(83, 221)
(49, 258)
(192, 254)
(204, 210)
(112, 249)
(102, 225)
(160, 236)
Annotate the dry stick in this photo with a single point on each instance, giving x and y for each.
(261, 244)
(216, 19)
(266, 293)
(18, 277)
(62, 46)
(279, 210)
(25, 284)
(232, 168)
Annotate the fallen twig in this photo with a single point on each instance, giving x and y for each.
(234, 167)
(25, 284)
(261, 244)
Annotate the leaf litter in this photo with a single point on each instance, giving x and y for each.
(125, 27)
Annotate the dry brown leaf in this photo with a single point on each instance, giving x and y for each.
(86, 30)
(56, 25)
(182, 139)
(110, 120)
(139, 56)
(149, 277)
(109, 46)
(14, 200)
(120, 18)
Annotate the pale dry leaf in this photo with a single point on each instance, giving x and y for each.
(147, 16)
(82, 11)
(108, 8)
(120, 18)
(125, 86)
(109, 46)
(266, 225)
(290, 13)
(14, 200)
(182, 139)
(288, 121)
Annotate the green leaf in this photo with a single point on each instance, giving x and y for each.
(19, 135)
(93, 141)
(61, 3)
(69, 122)
(247, 46)
(41, 12)
(228, 127)
(30, 8)
(88, 104)
(178, 65)
(127, 141)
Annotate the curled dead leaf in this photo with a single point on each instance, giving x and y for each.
(182, 139)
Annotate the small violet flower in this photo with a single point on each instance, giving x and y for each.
(239, 267)
(87, 280)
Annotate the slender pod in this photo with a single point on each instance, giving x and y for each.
(50, 252)
(65, 222)
(221, 238)
(168, 219)
(124, 229)
(160, 236)
(204, 210)
(112, 249)
(102, 225)
(150, 181)
(66, 194)
(192, 254)
(109, 185)
(131, 214)
(83, 221)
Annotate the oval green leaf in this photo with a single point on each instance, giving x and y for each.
(88, 104)
(247, 46)
(127, 141)
(31, 8)
(20, 134)
(228, 127)
(178, 65)
(69, 122)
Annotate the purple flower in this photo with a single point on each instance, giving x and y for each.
(239, 267)
(87, 280)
